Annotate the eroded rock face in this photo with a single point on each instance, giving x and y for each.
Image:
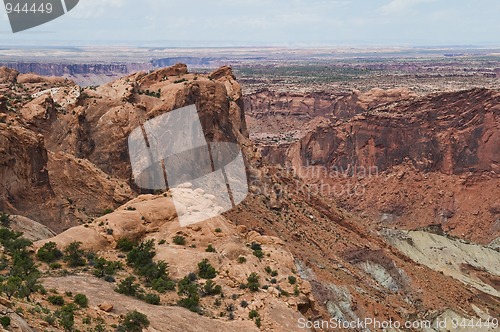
(411, 163)
(102, 122)
(23, 163)
(451, 133)
(8, 75)
(86, 132)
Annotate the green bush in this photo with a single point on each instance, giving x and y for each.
(210, 248)
(292, 280)
(162, 286)
(103, 267)
(11, 286)
(253, 282)
(211, 288)
(153, 270)
(55, 266)
(125, 244)
(256, 246)
(81, 300)
(241, 259)
(142, 254)
(179, 240)
(56, 300)
(13, 242)
(188, 288)
(128, 286)
(4, 219)
(5, 321)
(107, 211)
(49, 253)
(206, 270)
(67, 317)
(151, 298)
(296, 291)
(133, 322)
(50, 319)
(258, 253)
(253, 314)
(73, 255)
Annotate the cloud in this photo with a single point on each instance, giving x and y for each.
(398, 7)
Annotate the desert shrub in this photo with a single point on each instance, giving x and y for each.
(10, 286)
(188, 289)
(153, 270)
(253, 314)
(218, 230)
(206, 270)
(244, 304)
(50, 319)
(81, 300)
(211, 288)
(255, 246)
(107, 211)
(103, 267)
(56, 300)
(125, 244)
(4, 219)
(128, 286)
(241, 259)
(142, 254)
(292, 280)
(73, 255)
(109, 279)
(151, 298)
(133, 321)
(253, 282)
(49, 253)
(5, 321)
(179, 240)
(258, 253)
(67, 317)
(55, 266)
(162, 285)
(210, 248)
(13, 242)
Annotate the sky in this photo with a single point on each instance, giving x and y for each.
(288, 23)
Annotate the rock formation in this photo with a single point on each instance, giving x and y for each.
(64, 163)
